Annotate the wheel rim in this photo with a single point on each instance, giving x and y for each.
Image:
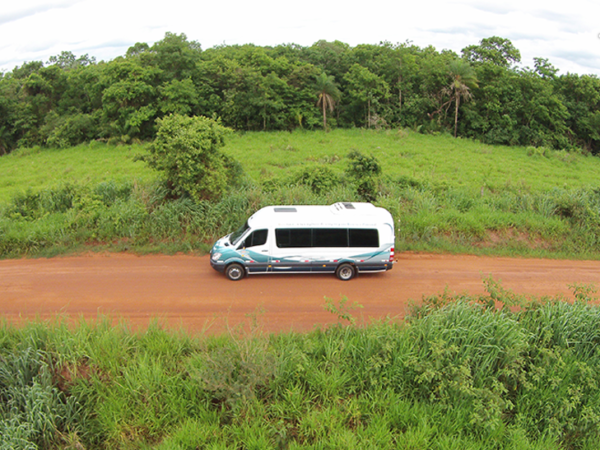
(235, 273)
(346, 272)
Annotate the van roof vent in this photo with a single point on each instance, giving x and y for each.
(285, 210)
(349, 205)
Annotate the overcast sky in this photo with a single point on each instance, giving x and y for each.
(565, 32)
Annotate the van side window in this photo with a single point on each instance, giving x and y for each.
(257, 237)
(326, 237)
(293, 237)
(364, 237)
(330, 237)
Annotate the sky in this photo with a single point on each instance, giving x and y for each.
(567, 33)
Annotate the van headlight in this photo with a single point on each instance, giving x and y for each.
(216, 256)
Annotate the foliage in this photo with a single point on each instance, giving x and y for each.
(71, 100)
(328, 94)
(364, 171)
(461, 371)
(186, 150)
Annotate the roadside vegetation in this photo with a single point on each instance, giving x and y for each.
(497, 371)
(446, 194)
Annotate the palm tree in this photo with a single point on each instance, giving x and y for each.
(463, 80)
(328, 94)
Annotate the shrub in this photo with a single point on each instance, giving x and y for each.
(364, 170)
(319, 178)
(187, 150)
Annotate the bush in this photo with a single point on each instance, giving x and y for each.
(187, 151)
(319, 178)
(74, 130)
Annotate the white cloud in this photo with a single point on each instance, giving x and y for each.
(566, 34)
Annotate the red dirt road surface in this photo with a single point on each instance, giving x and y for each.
(184, 291)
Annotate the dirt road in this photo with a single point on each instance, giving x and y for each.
(185, 291)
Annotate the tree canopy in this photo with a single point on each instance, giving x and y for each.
(73, 99)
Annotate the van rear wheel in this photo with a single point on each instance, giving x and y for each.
(235, 272)
(345, 272)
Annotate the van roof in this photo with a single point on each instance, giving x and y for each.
(338, 214)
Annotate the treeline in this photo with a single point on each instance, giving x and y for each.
(480, 94)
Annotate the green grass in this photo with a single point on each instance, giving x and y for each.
(495, 371)
(37, 169)
(424, 158)
(440, 160)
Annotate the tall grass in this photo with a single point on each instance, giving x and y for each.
(142, 217)
(462, 372)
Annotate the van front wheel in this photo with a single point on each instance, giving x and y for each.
(235, 272)
(345, 272)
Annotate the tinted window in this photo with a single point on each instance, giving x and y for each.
(364, 238)
(258, 237)
(330, 237)
(326, 237)
(293, 237)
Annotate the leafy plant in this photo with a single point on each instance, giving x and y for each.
(342, 310)
(187, 151)
(320, 178)
(364, 170)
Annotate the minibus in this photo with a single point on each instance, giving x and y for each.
(344, 239)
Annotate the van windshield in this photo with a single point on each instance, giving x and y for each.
(236, 235)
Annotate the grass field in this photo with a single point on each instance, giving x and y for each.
(424, 158)
(37, 169)
(434, 159)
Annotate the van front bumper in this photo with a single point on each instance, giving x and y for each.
(218, 266)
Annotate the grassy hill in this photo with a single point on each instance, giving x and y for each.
(426, 158)
(37, 169)
(446, 194)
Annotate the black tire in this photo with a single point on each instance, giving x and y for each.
(345, 272)
(235, 272)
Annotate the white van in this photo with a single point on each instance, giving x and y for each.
(343, 238)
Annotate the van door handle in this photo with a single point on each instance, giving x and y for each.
(265, 251)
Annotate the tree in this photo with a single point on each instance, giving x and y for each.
(495, 50)
(175, 56)
(543, 68)
(328, 94)
(67, 60)
(366, 88)
(463, 80)
(129, 102)
(186, 149)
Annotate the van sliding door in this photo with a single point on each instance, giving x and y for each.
(291, 252)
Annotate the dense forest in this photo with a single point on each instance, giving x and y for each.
(483, 93)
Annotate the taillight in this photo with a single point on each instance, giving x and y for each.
(392, 254)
